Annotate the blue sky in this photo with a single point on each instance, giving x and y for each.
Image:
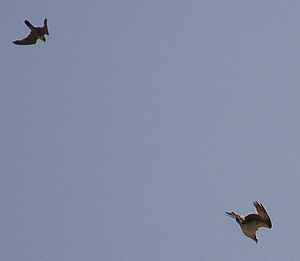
(129, 133)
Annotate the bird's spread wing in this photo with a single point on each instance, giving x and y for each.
(29, 39)
(262, 214)
(44, 29)
(261, 210)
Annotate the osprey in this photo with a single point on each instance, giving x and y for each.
(252, 222)
(35, 33)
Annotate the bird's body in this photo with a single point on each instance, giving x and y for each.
(252, 222)
(35, 34)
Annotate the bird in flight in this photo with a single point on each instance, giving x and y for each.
(35, 33)
(252, 222)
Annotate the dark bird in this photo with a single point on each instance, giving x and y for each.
(35, 33)
(252, 222)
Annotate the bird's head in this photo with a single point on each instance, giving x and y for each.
(254, 237)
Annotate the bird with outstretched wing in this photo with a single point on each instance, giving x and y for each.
(35, 34)
(252, 222)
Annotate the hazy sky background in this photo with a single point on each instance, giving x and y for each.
(129, 133)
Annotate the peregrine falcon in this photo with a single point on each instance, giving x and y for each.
(252, 222)
(35, 33)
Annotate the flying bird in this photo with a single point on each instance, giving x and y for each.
(35, 33)
(252, 222)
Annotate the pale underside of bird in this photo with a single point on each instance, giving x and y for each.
(252, 222)
(35, 34)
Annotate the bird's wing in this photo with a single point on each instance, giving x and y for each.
(261, 212)
(44, 29)
(29, 39)
(255, 221)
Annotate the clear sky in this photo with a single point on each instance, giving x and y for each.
(129, 133)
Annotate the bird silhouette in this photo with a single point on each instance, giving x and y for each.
(35, 33)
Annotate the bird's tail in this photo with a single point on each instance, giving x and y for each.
(238, 217)
(29, 24)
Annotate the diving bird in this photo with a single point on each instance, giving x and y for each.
(252, 222)
(35, 33)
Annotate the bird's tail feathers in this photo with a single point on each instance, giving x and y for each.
(28, 24)
(231, 214)
(238, 217)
